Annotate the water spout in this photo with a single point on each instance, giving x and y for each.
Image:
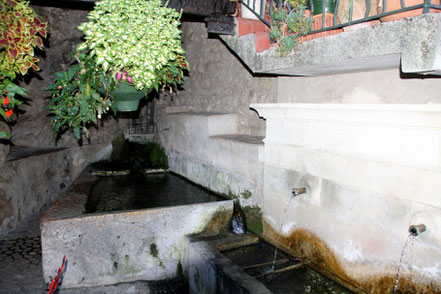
(298, 191)
(415, 230)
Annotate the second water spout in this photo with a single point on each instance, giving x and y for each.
(415, 230)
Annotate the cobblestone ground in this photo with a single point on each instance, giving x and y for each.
(21, 272)
(20, 260)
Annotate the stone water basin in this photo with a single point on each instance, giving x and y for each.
(240, 265)
(299, 280)
(119, 245)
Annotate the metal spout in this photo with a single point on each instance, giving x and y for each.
(298, 191)
(415, 230)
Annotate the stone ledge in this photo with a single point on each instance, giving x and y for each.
(412, 44)
(241, 138)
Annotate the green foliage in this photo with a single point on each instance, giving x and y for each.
(8, 101)
(139, 37)
(289, 21)
(126, 41)
(20, 33)
(76, 99)
(157, 156)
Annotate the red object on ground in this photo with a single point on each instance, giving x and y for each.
(9, 113)
(56, 280)
(6, 101)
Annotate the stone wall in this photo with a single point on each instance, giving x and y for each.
(219, 82)
(29, 185)
(353, 222)
(353, 227)
(33, 124)
(370, 172)
(386, 86)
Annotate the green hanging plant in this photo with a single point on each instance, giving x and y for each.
(21, 31)
(8, 101)
(76, 99)
(131, 42)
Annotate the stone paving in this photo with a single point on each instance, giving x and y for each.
(21, 272)
(20, 260)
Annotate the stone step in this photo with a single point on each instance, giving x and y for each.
(208, 123)
(21, 152)
(241, 138)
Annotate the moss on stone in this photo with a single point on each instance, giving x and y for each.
(153, 250)
(119, 147)
(197, 281)
(126, 268)
(179, 269)
(246, 194)
(231, 195)
(253, 216)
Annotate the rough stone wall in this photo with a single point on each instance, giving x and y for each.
(28, 186)
(219, 82)
(33, 124)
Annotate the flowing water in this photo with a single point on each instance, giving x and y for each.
(280, 231)
(400, 264)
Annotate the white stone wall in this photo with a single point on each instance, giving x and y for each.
(370, 171)
(196, 151)
(361, 197)
(385, 86)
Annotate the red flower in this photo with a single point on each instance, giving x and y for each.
(9, 113)
(6, 101)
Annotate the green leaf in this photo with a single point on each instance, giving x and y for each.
(4, 135)
(81, 47)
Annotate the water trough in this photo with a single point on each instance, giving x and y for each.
(122, 246)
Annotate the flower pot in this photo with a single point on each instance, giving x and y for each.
(317, 19)
(126, 97)
(358, 9)
(329, 6)
(392, 5)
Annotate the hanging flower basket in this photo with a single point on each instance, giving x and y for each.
(126, 97)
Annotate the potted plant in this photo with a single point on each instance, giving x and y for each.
(129, 46)
(289, 22)
(318, 6)
(20, 33)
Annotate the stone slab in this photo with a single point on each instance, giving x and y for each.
(411, 44)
